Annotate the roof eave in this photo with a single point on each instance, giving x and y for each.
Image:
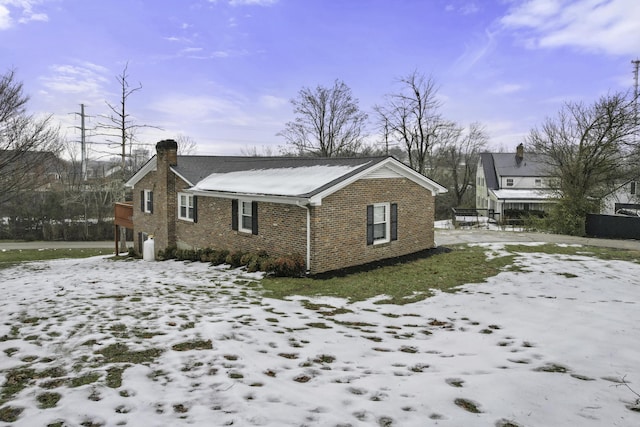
(288, 200)
(150, 166)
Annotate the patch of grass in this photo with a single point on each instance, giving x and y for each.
(85, 379)
(48, 400)
(591, 251)
(403, 283)
(120, 353)
(16, 381)
(114, 376)
(9, 414)
(415, 280)
(552, 367)
(10, 351)
(455, 382)
(568, 275)
(468, 405)
(193, 345)
(319, 325)
(13, 257)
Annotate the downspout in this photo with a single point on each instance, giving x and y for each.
(308, 258)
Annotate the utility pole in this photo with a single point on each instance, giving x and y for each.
(83, 144)
(83, 168)
(636, 66)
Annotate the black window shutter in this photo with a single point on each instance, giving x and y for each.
(195, 208)
(234, 214)
(151, 198)
(633, 187)
(254, 217)
(394, 221)
(369, 224)
(142, 200)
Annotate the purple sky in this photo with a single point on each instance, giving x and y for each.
(223, 71)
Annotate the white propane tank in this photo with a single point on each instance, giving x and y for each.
(148, 250)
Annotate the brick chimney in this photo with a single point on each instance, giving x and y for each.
(166, 196)
(519, 153)
(167, 150)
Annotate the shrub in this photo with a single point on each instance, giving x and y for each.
(133, 253)
(168, 253)
(234, 259)
(287, 266)
(218, 257)
(255, 262)
(291, 266)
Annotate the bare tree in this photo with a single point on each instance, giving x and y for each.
(28, 144)
(589, 148)
(411, 117)
(328, 122)
(254, 151)
(456, 159)
(119, 126)
(186, 144)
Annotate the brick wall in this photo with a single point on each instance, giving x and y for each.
(281, 229)
(339, 226)
(149, 223)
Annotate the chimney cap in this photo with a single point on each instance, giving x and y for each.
(167, 144)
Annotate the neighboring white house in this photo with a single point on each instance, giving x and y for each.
(509, 185)
(625, 200)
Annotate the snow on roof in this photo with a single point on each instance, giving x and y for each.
(297, 181)
(524, 194)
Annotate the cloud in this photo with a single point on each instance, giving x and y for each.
(466, 8)
(506, 89)
(201, 108)
(24, 8)
(84, 80)
(273, 102)
(601, 26)
(475, 52)
(252, 2)
(5, 18)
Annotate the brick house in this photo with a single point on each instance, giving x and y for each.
(335, 212)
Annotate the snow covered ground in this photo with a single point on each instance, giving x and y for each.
(548, 345)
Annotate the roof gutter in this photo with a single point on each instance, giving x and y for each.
(287, 200)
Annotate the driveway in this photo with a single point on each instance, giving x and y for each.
(443, 237)
(450, 237)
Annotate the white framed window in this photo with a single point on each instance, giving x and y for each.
(509, 182)
(538, 182)
(381, 223)
(245, 218)
(185, 206)
(148, 201)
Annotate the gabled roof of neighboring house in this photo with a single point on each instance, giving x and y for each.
(507, 165)
(298, 179)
